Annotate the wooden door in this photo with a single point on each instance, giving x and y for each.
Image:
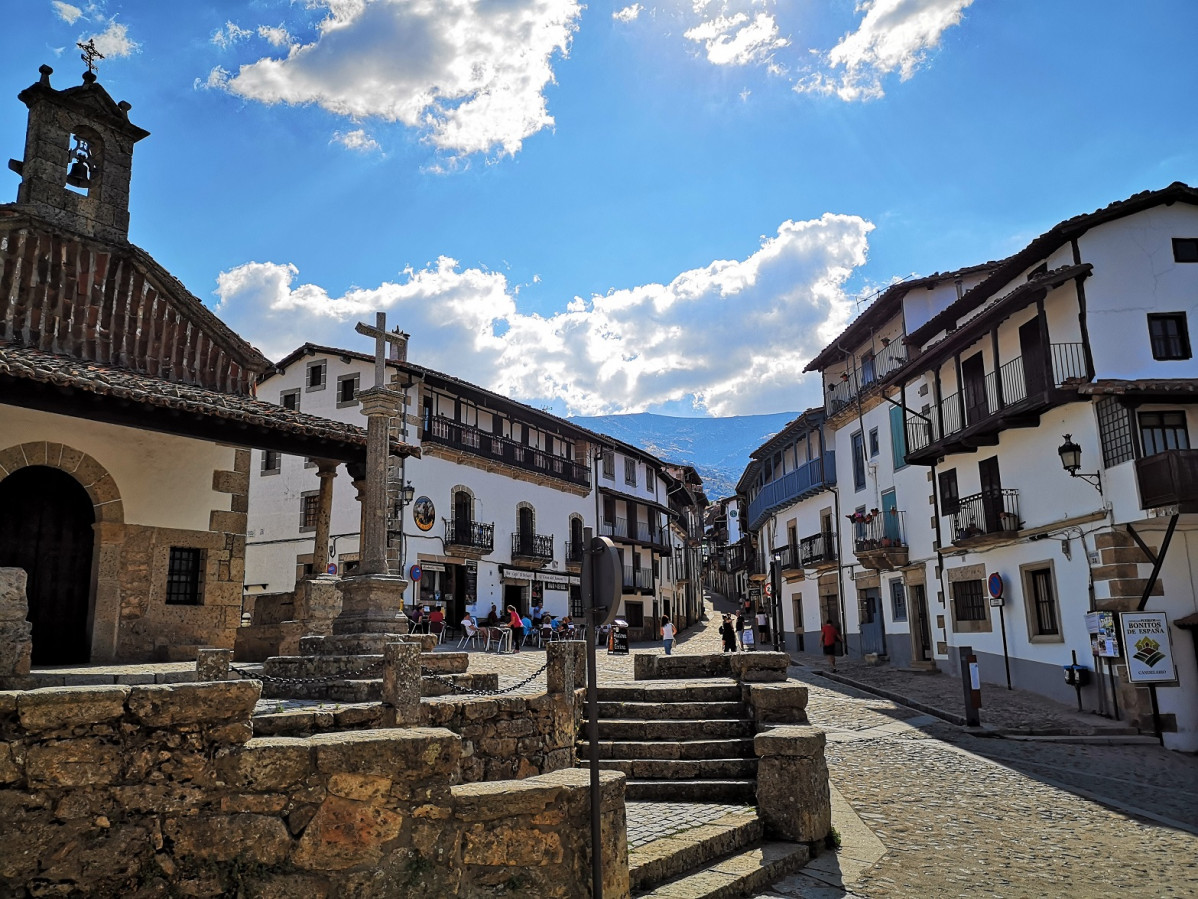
(1031, 348)
(46, 520)
(463, 525)
(973, 376)
(991, 494)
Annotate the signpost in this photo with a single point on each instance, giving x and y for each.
(1149, 656)
(995, 585)
(415, 573)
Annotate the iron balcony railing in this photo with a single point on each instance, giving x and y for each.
(640, 531)
(808, 478)
(989, 512)
(475, 534)
(1010, 385)
(872, 369)
(886, 529)
(638, 578)
(532, 546)
(492, 446)
(787, 557)
(574, 550)
(817, 549)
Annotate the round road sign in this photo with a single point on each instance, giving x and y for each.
(994, 583)
(414, 572)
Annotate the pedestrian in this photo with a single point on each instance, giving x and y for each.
(829, 635)
(728, 632)
(740, 627)
(517, 625)
(763, 625)
(667, 633)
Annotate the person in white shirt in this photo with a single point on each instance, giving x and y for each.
(667, 633)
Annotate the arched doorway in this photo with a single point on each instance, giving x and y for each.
(46, 520)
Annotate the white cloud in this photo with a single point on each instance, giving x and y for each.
(357, 140)
(230, 34)
(68, 13)
(893, 35)
(738, 40)
(114, 41)
(276, 35)
(628, 13)
(472, 76)
(732, 336)
(216, 80)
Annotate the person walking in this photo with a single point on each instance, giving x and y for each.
(517, 624)
(667, 633)
(740, 627)
(728, 632)
(763, 625)
(828, 637)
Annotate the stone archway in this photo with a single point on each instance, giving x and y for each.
(108, 534)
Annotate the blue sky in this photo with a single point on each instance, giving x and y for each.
(658, 206)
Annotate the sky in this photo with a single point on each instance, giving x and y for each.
(603, 208)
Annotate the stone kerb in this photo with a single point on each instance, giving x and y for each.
(772, 704)
(755, 667)
(793, 796)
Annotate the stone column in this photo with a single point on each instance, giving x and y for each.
(793, 797)
(379, 405)
(401, 684)
(213, 664)
(326, 470)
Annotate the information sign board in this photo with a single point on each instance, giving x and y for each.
(1149, 648)
(1104, 637)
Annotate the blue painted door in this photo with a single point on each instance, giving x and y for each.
(873, 628)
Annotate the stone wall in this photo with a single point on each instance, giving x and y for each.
(153, 790)
(757, 667)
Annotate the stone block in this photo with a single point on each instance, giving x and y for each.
(784, 703)
(10, 768)
(758, 666)
(1109, 539)
(231, 481)
(401, 683)
(256, 838)
(344, 833)
(1123, 554)
(793, 796)
(73, 763)
(213, 664)
(162, 705)
(430, 753)
(61, 708)
(16, 648)
(511, 845)
(14, 606)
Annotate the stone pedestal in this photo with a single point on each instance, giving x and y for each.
(372, 604)
(793, 798)
(213, 664)
(16, 634)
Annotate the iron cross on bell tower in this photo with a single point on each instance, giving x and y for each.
(90, 53)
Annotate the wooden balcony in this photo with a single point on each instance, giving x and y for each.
(1169, 479)
(471, 440)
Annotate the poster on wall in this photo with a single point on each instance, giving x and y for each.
(1104, 638)
(424, 513)
(1149, 648)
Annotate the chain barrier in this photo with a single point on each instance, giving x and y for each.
(458, 688)
(366, 669)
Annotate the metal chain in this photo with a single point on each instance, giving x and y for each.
(458, 688)
(314, 679)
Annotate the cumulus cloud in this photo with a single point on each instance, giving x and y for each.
(893, 35)
(230, 34)
(738, 40)
(628, 13)
(276, 35)
(114, 41)
(730, 337)
(471, 76)
(65, 11)
(357, 140)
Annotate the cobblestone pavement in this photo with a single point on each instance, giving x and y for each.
(959, 815)
(649, 821)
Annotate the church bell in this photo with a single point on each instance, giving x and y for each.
(79, 175)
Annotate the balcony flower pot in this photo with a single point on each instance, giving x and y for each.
(1009, 521)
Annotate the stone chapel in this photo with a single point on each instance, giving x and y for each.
(127, 409)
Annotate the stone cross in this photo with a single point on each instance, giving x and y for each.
(381, 338)
(90, 53)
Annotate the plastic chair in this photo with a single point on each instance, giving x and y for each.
(469, 635)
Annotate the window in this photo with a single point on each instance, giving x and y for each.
(1043, 618)
(272, 462)
(898, 600)
(630, 472)
(1185, 249)
(289, 399)
(950, 501)
(898, 437)
(609, 465)
(1160, 431)
(316, 374)
(873, 442)
(1115, 428)
(309, 510)
(1170, 336)
(184, 577)
(858, 462)
(968, 604)
(347, 390)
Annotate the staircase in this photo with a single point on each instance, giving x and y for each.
(677, 741)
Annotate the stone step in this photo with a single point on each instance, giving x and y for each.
(445, 662)
(684, 691)
(681, 853)
(736, 875)
(670, 749)
(683, 769)
(430, 687)
(691, 790)
(673, 711)
(639, 730)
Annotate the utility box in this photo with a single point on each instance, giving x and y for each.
(1076, 675)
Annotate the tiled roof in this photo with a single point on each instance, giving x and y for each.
(1118, 387)
(1045, 244)
(25, 364)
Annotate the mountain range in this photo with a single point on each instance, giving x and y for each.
(718, 448)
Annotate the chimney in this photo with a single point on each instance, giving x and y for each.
(399, 348)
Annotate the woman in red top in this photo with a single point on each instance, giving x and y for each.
(828, 636)
(517, 624)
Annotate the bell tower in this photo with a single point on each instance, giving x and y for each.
(78, 157)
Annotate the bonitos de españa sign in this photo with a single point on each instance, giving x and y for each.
(1148, 648)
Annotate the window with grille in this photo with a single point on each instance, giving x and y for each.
(1115, 428)
(898, 600)
(1160, 431)
(309, 510)
(1169, 335)
(968, 604)
(184, 576)
(271, 462)
(1044, 601)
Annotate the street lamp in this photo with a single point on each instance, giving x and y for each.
(1071, 461)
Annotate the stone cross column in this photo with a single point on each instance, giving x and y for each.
(379, 405)
(326, 470)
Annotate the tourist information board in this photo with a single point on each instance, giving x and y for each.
(1149, 648)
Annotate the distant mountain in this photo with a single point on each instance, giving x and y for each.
(718, 447)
